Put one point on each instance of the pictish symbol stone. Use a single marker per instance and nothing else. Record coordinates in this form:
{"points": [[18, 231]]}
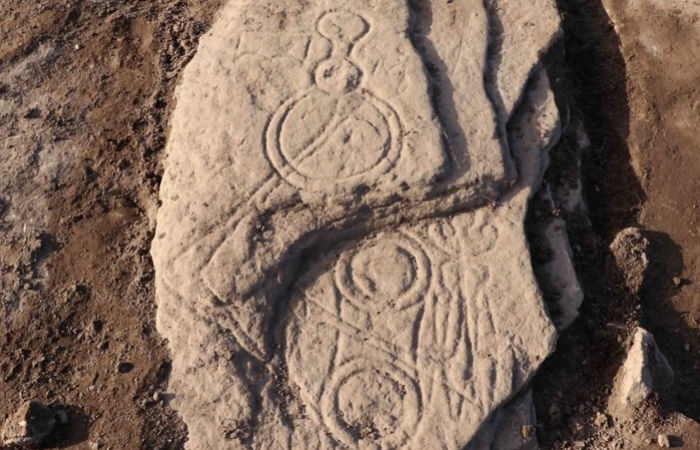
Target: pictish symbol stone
{"points": [[328, 273]]}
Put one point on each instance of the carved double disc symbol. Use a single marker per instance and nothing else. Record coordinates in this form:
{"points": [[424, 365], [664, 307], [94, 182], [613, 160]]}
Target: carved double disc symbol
{"points": [[337, 133]]}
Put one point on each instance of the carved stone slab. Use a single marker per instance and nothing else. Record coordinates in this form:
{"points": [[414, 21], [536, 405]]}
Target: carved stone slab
{"points": [[325, 276], [411, 338]]}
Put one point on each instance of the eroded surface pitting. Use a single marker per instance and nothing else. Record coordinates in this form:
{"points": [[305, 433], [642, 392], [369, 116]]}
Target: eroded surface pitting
{"points": [[320, 148]]}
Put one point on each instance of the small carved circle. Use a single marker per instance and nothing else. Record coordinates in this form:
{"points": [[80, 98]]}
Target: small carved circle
{"points": [[342, 26], [371, 399], [483, 239], [386, 273]]}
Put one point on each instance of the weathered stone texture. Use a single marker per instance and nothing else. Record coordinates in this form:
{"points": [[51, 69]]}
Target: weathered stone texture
{"points": [[340, 252]]}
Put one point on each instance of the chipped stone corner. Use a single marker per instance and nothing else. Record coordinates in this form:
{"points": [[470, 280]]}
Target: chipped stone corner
{"points": [[645, 370]]}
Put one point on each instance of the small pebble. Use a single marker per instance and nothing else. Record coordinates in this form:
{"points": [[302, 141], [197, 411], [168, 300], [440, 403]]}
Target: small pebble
{"points": [[528, 431], [677, 281], [62, 416], [124, 367], [33, 113], [555, 414], [29, 426], [601, 420], [663, 441]]}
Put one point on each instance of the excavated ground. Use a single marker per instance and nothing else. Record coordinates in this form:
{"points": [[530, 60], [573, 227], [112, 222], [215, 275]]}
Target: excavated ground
{"points": [[642, 169], [85, 97]]}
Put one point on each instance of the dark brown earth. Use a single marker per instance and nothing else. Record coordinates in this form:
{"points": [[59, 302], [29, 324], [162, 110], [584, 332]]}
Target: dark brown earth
{"points": [[664, 92], [85, 95], [640, 111]]}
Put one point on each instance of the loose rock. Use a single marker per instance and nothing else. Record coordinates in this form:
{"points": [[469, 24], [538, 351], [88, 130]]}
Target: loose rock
{"points": [[62, 416], [663, 441], [124, 367], [601, 420], [644, 371], [561, 275], [30, 425], [630, 249]]}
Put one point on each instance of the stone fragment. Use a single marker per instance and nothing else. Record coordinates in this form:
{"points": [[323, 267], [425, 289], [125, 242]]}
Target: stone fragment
{"points": [[569, 195], [630, 249], [663, 441], [62, 416], [644, 371], [562, 196], [561, 275], [124, 367], [29, 426], [324, 274], [601, 420], [511, 427]]}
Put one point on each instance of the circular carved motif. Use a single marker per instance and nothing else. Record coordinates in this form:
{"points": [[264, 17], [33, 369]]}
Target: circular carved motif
{"points": [[391, 272], [371, 399], [337, 133], [320, 140]]}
